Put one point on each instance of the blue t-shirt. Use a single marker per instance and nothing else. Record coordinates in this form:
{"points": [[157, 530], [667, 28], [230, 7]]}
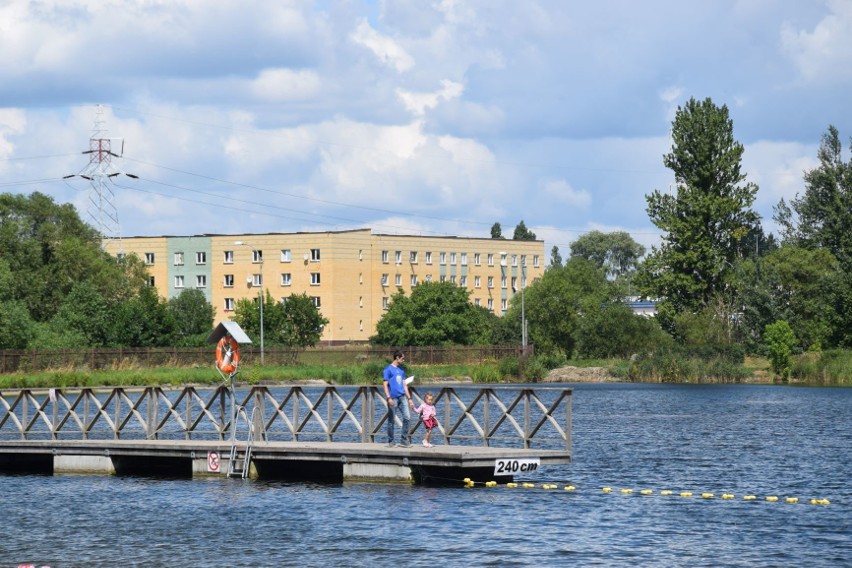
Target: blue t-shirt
{"points": [[395, 378]]}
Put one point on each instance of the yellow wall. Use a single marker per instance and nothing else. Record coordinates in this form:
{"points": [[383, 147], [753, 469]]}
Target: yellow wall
{"points": [[350, 268]]}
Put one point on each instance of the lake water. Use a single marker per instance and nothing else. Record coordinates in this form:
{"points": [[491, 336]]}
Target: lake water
{"points": [[740, 439]]}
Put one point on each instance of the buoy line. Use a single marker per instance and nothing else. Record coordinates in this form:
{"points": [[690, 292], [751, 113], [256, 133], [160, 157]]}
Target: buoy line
{"points": [[469, 483]]}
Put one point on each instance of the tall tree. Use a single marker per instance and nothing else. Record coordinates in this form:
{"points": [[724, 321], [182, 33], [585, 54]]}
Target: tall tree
{"points": [[822, 216], [707, 217], [193, 316], [496, 231], [555, 257], [616, 252], [522, 233]]}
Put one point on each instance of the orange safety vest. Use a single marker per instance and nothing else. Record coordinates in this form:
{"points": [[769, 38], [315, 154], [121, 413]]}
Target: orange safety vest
{"points": [[227, 355]]}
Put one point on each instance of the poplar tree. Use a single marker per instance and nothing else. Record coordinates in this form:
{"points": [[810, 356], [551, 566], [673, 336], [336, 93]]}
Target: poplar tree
{"points": [[707, 217]]}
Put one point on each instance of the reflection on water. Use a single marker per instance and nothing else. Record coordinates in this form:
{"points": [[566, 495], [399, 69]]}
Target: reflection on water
{"points": [[761, 440]]}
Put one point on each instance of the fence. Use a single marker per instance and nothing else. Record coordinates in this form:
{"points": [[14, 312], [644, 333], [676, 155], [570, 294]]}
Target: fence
{"points": [[487, 416], [117, 358]]}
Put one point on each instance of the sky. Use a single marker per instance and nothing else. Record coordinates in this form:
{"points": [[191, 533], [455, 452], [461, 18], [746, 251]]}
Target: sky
{"points": [[409, 117]]}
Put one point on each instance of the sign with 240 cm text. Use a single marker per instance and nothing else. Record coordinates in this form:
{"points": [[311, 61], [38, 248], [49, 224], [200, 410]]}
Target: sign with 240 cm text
{"points": [[514, 466]]}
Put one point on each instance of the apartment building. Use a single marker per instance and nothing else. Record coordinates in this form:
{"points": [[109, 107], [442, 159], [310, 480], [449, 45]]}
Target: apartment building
{"points": [[350, 275]]}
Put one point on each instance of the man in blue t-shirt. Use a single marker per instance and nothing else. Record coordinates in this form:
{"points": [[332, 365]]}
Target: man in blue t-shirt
{"points": [[398, 397]]}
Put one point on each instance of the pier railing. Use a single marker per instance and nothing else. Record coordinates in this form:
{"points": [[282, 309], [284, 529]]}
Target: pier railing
{"points": [[500, 416]]}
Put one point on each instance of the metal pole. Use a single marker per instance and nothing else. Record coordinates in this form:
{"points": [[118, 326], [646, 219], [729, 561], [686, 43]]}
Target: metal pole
{"points": [[261, 308]]}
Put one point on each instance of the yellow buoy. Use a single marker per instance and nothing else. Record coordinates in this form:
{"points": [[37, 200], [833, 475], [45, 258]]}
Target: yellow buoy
{"points": [[607, 489], [792, 499], [771, 498], [646, 492], [707, 495], [627, 491], [686, 494], [665, 492], [820, 502], [528, 485], [570, 488], [511, 485], [727, 495], [749, 497]]}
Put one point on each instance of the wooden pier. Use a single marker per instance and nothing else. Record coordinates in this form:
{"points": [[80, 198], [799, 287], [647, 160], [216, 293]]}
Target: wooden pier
{"points": [[298, 433]]}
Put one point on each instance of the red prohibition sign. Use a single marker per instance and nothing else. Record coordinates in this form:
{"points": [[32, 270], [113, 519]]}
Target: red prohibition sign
{"points": [[213, 461]]}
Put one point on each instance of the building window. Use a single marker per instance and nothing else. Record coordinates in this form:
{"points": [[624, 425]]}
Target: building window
{"points": [[535, 260], [490, 258], [502, 259], [229, 304], [120, 257], [201, 258], [514, 260], [360, 278], [428, 278], [229, 281], [385, 256], [151, 282], [514, 283], [286, 255], [490, 305], [452, 279], [149, 258], [360, 255], [523, 260], [178, 259], [384, 279], [453, 258], [286, 279], [442, 258], [503, 282], [315, 255], [414, 280], [399, 279], [477, 302], [178, 281], [442, 278], [476, 258], [412, 257], [397, 256], [257, 256], [360, 301], [503, 305], [464, 259], [490, 281], [428, 258], [315, 278], [200, 281], [257, 279], [229, 257], [385, 303], [477, 281], [463, 281], [317, 302]]}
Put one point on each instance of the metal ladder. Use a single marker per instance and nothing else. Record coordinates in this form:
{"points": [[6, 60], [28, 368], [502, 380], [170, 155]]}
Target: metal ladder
{"points": [[239, 461]]}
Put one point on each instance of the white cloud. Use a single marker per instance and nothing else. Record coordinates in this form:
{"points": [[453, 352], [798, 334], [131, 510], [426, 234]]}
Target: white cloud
{"points": [[419, 103], [561, 191], [12, 121], [825, 52], [388, 51], [283, 85]]}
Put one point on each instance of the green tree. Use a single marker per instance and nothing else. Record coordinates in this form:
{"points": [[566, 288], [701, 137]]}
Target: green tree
{"points": [[613, 330], [780, 341], [16, 327], [707, 217], [616, 252], [436, 313], [554, 303], [555, 257], [496, 231], [86, 313], [193, 317], [143, 321], [302, 323], [822, 216], [522, 233]]}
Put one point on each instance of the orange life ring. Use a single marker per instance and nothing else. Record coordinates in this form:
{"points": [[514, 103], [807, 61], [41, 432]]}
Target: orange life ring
{"points": [[227, 354]]}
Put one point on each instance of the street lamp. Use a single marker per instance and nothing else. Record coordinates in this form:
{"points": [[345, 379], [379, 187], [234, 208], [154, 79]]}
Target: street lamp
{"points": [[257, 254]]}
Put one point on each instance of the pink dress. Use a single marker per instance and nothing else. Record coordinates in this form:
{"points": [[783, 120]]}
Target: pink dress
{"points": [[427, 415]]}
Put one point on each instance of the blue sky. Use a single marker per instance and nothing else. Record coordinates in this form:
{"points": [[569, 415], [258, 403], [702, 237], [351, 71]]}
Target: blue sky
{"points": [[415, 117]]}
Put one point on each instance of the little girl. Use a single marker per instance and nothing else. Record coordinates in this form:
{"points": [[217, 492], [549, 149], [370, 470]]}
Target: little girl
{"points": [[427, 415]]}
